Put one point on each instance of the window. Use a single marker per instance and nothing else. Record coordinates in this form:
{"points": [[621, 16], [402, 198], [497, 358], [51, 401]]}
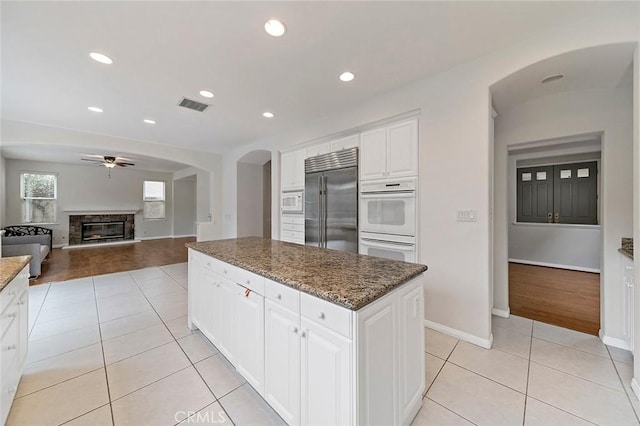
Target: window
{"points": [[153, 197], [38, 192], [562, 193]]}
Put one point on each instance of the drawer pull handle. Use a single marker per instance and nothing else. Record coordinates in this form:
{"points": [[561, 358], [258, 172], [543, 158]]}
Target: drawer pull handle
{"points": [[322, 316], [12, 293], [13, 315], [279, 296], [248, 282], [12, 347], [247, 292]]}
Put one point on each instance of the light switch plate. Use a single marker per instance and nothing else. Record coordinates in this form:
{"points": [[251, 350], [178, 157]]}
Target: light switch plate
{"points": [[467, 216]]}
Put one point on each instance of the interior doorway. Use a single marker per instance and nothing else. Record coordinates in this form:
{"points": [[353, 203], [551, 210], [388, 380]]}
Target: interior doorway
{"points": [[584, 114], [254, 194]]}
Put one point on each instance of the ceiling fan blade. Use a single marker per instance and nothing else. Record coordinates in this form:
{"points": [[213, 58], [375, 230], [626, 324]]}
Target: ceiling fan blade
{"points": [[101, 157], [92, 160], [124, 164], [121, 159]]}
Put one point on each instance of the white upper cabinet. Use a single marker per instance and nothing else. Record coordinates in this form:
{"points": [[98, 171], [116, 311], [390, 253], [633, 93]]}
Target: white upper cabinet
{"points": [[390, 152], [352, 141], [373, 164], [292, 169], [402, 149], [319, 149]]}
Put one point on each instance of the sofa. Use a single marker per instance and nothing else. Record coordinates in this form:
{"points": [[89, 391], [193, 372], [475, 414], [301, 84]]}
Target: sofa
{"points": [[32, 240]]}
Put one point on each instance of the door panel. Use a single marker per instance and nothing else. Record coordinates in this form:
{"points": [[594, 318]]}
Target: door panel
{"points": [[535, 194], [341, 187], [249, 335], [576, 193]]}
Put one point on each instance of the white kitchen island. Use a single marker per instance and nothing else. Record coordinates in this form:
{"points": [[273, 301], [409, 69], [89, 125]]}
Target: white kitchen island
{"points": [[325, 337]]}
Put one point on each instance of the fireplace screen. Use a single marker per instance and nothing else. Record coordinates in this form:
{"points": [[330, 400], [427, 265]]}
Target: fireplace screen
{"points": [[102, 231]]}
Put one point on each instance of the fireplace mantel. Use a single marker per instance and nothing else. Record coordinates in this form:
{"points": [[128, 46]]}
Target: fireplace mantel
{"points": [[100, 211]]}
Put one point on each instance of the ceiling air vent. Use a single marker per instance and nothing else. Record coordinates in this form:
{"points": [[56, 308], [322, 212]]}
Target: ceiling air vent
{"points": [[194, 105]]}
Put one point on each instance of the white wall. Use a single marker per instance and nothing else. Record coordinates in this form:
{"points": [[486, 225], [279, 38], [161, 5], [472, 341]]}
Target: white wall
{"points": [[3, 201], [250, 202], [184, 206], [454, 144], [567, 114], [89, 188]]}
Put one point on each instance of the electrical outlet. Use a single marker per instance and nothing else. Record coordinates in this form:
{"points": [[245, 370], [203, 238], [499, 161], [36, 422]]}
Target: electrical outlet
{"points": [[467, 216]]}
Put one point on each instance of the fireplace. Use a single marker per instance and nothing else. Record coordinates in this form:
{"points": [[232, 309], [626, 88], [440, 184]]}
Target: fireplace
{"points": [[96, 231], [100, 228]]}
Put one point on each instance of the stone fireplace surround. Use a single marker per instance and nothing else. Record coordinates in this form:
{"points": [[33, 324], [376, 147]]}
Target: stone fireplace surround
{"points": [[76, 221]]}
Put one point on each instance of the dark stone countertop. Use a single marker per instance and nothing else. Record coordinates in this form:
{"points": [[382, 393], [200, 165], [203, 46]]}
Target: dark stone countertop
{"points": [[10, 267], [346, 279]]}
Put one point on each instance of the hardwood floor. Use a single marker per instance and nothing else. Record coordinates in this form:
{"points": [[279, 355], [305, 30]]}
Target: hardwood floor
{"points": [[569, 299], [84, 262]]}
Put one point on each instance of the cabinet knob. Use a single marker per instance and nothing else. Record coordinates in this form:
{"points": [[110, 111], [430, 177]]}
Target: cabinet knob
{"points": [[13, 315], [248, 282], [304, 334], [225, 271], [12, 347], [279, 296], [321, 316], [295, 330], [208, 263]]}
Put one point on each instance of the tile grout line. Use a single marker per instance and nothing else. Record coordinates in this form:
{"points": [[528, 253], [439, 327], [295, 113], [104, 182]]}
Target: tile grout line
{"points": [[563, 410], [84, 414], [39, 309], [215, 398], [526, 388], [451, 411], [578, 377], [615, 367], [104, 360]]}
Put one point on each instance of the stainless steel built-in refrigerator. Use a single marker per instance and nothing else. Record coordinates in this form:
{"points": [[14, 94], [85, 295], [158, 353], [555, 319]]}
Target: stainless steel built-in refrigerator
{"points": [[331, 200]]}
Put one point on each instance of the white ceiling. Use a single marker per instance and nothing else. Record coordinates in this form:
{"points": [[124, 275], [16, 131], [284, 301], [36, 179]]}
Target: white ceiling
{"points": [[71, 155], [601, 67], [165, 50]]}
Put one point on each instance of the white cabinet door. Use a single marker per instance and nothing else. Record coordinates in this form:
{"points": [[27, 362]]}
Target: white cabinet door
{"points": [[627, 274], [373, 163], [23, 324], [411, 349], [292, 169], [402, 149], [282, 361], [196, 287], [326, 394], [377, 363], [224, 315], [352, 141], [249, 337], [319, 149]]}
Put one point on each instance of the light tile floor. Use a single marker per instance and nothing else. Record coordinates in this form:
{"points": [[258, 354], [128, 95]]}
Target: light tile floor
{"points": [[115, 349]]}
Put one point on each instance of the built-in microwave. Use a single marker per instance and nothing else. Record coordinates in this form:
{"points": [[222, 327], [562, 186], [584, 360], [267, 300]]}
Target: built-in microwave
{"points": [[292, 201], [388, 207]]}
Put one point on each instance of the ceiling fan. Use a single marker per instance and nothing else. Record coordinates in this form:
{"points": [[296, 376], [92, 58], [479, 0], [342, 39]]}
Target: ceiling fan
{"points": [[109, 161]]}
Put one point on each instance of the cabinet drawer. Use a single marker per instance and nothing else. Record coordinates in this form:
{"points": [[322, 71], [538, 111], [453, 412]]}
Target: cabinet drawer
{"points": [[7, 321], [293, 227], [292, 236], [224, 269], [10, 292], [327, 314], [253, 282], [282, 295], [294, 220]]}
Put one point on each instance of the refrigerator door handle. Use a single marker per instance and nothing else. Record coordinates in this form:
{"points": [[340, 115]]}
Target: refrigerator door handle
{"points": [[320, 212], [325, 211]]}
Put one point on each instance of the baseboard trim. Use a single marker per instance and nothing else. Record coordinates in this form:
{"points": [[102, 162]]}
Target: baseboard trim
{"points": [[501, 312], [555, 265], [453, 332], [183, 236], [112, 243], [613, 341], [635, 388], [162, 237]]}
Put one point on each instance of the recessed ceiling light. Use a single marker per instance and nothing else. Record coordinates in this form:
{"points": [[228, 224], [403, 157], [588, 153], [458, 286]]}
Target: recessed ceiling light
{"points": [[148, 121], [552, 78], [95, 109], [267, 114], [275, 28], [99, 57], [206, 93], [347, 76]]}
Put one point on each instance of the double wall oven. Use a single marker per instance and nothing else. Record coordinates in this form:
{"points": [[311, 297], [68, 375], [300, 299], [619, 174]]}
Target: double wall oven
{"points": [[388, 219]]}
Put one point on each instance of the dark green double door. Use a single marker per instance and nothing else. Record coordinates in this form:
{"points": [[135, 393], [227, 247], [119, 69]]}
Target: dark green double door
{"points": [[564, 193]]}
